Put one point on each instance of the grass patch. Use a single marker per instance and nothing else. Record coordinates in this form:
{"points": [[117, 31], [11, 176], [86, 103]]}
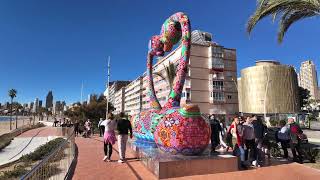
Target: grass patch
{"points": [[6, 139], [26, 161]]}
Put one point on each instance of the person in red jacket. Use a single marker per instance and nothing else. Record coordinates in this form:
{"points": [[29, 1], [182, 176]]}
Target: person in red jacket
{"points": [[295, 133], [236, 129]]}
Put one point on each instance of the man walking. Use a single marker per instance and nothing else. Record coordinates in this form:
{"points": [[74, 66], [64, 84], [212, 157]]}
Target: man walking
{"points": [[215, 131], [101, 127], [295, 133], [249, 140], [123, 127], [259, 130]]}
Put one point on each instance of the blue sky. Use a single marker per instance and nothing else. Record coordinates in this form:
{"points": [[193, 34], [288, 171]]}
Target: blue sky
{"points": [[55, 45]]}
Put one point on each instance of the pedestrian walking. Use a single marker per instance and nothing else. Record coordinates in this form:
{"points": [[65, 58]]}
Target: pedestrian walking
{"points": [[236, 129], [123, 128], [284, 137], [295, 141], [260, 130], [249, 140], [215, 131], [101, 127], [109, 137], [76, 128], [87, 126]]}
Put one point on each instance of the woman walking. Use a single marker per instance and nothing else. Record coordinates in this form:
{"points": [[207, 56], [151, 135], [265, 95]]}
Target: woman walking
{"points": [[109, 136]]}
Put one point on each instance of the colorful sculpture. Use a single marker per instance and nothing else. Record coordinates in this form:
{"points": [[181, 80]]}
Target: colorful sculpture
{"points": [[174, 129]]}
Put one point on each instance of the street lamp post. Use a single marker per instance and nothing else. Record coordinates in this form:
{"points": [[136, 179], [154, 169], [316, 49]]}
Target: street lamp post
{"points": [[265, 98]]}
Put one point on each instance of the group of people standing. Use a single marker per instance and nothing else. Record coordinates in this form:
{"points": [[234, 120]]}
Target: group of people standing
{"points": [[108, 128], [249, 134]]}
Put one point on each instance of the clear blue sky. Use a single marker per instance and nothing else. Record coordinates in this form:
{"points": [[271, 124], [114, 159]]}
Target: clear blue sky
{"points": [[55, 45]]}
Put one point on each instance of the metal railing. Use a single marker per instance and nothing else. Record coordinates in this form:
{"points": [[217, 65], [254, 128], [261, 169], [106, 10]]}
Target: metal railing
{"points": [[57, 164]]}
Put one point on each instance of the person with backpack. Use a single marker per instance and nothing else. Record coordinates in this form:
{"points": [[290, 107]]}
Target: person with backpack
{"points": [[123, 128], [284, 137], [295, 142], [215, 131]]}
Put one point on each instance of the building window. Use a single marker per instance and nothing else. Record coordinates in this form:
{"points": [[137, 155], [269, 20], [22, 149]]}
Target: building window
{"points": [[217, 62], [229, 97], [218, 96], [217, 85]]}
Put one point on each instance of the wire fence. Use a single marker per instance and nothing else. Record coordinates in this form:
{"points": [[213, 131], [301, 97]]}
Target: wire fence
{"points": [[56, 165]]}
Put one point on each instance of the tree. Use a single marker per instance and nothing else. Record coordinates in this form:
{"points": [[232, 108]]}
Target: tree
{"points": [[289, 12], [169, 74], [94, 111], [304, 95], [12, 94]]}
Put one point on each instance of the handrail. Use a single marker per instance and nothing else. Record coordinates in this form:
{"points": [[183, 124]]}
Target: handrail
{"points": [[48, 157]]}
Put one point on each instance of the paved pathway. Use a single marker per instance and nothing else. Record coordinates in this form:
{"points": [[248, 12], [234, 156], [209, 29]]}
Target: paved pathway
{"points": [[91, 167], [25, 143], [292, 171]]}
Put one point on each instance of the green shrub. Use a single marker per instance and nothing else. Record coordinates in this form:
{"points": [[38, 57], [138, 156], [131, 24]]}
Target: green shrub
{"points": [[43, 151], [15, 173], [273, 122]]}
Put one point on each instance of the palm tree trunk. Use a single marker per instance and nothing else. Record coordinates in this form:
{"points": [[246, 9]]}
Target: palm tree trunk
{"points": [[11, 115]]}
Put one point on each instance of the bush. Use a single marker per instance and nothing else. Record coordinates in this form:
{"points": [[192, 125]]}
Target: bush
{"points": [[15, 173], [273, 122], [43, 150]]}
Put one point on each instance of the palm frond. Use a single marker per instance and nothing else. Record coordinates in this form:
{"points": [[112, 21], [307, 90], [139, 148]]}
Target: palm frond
{"points": [[289, 19], [290, 11]]}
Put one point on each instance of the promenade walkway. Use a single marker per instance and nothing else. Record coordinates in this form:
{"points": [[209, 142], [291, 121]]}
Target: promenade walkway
{"points": [[25, 143], [90, 166]]}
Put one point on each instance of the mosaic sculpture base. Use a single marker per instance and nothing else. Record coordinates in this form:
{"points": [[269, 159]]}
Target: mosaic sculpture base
{"points": [[164, 165]]}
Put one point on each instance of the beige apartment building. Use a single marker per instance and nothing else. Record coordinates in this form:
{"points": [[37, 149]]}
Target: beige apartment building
{"points": [[115, 86], [119, 100], [308, 78], [132, 97], [210, 81]]}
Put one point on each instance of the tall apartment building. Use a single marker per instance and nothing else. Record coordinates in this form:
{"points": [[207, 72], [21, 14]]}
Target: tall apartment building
{"points": [[133, 96], [308, 78], [114, 87], [210, 82], [119, 101]]}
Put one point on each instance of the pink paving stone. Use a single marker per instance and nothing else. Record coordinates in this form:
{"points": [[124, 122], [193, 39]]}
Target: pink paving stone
{"points": [[90, 166], [41, 132], [292, 171]]}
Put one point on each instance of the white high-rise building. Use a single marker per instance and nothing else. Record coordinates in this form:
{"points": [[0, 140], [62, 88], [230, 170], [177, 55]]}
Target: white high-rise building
{"points": [[308, 78]]}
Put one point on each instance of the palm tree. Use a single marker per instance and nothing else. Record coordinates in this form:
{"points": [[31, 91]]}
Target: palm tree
{"points": [[289, 11], [12, 94], [169, 74]]}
